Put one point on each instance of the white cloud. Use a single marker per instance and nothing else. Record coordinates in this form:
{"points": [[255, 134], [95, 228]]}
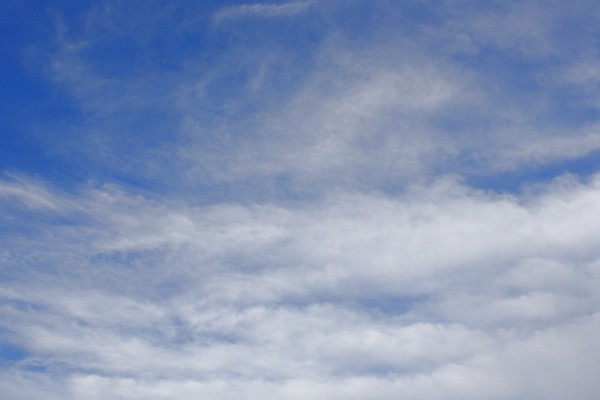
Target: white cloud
{"points": [[435, 290], [407, 96], [262, 10], [29, 193]]}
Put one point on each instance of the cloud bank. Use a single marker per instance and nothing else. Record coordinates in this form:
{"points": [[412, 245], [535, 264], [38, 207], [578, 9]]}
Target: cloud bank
{"points": [[445, 292]]}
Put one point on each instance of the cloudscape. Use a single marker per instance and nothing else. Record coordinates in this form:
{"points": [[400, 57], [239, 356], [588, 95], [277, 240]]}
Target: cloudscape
{"points": [[312, 199]]}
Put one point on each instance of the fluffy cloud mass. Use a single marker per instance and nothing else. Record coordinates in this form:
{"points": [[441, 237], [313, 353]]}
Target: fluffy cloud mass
{"points": [[305, 200]]}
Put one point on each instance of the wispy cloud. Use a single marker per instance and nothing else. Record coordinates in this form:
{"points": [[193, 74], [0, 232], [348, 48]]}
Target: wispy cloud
{"points": [[27, 193], [412, 96], [262, 10]]}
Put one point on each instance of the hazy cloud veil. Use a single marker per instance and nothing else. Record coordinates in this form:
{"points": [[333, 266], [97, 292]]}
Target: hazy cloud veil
{"points": [[301, 200]]}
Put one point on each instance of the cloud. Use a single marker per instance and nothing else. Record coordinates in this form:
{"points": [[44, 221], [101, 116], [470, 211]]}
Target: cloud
{"points": [[440, 287], [32, 197], [315, 112], [262, 10], [289, 211]]}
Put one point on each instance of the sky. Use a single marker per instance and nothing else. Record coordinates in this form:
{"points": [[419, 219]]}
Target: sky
{"points": [[306, 199]]}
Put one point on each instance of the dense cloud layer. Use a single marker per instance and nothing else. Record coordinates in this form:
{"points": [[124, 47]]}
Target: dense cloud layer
{"points": [[309, 200], [445, 292]]}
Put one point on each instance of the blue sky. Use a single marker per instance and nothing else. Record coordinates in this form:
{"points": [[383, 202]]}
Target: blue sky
{"points": [[314, 199]]}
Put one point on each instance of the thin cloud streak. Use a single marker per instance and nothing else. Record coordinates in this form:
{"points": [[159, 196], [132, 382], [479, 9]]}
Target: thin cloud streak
{"points": [[262, 10]]}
